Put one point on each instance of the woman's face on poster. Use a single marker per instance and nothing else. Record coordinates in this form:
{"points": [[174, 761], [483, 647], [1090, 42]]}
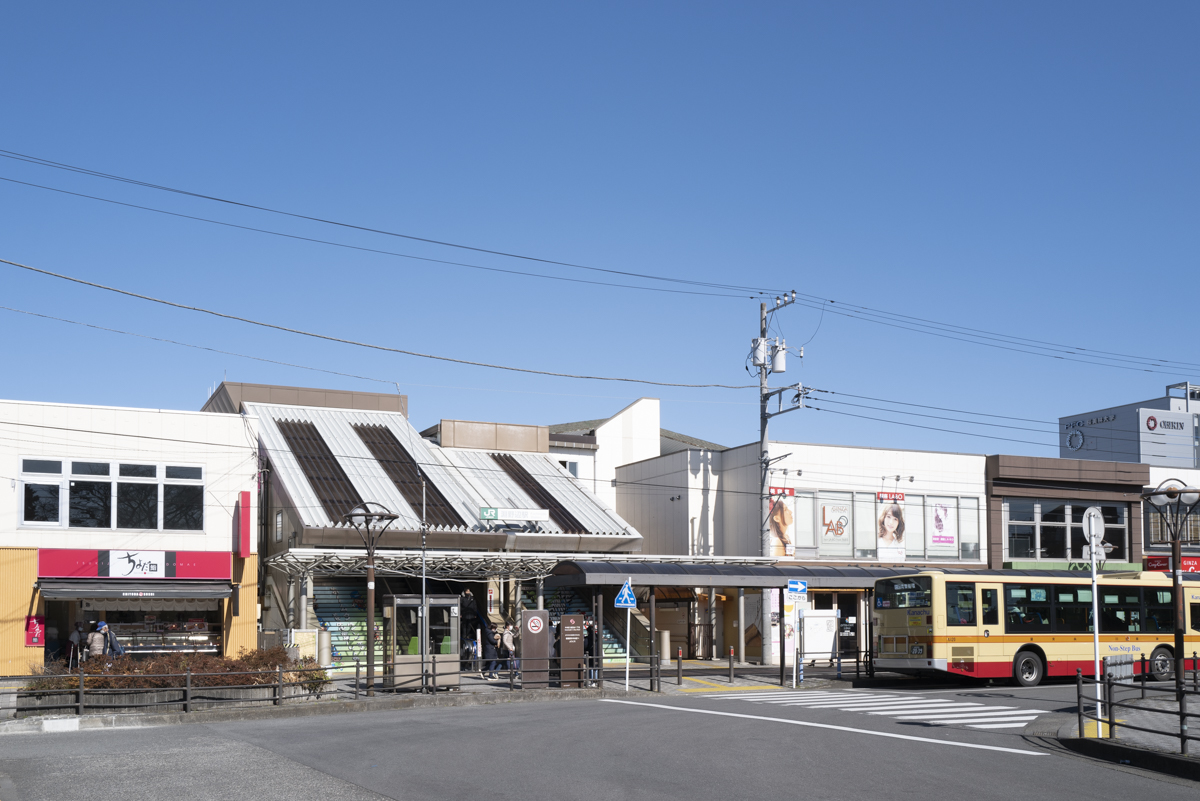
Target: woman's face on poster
{"points": [[890, 523]]}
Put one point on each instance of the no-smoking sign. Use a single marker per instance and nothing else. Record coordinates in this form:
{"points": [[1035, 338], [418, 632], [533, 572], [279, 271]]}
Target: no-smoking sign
{"points": [[534, 624]]}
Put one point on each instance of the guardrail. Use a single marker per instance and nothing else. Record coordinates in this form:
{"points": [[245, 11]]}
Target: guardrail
{"points": [[1122, 677]]}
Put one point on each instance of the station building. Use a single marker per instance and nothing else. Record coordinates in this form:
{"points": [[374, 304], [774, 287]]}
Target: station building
{"points": [[141, 518]]}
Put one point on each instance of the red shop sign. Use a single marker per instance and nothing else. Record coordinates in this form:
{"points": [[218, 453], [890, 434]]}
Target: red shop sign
{"points": [[35, 631], [1162, 564]]}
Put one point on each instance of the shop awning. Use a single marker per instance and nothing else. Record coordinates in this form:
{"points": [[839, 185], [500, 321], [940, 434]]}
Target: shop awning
{"points": [[646, 574], [82, 589]]}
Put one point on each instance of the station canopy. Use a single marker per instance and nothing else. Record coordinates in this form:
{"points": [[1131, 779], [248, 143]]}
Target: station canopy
{"points": [[461, 565]]}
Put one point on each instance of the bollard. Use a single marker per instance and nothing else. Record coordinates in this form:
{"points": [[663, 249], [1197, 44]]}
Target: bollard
{"points": [[1143, 676], [839, 661], [512, 676], [1079, 697], [857, 660], [187, 691], [1112, 713], [433, 671], [679, 668], [731, 664], [357, 677], [1183, 727], [279, 685], [81, 687]]}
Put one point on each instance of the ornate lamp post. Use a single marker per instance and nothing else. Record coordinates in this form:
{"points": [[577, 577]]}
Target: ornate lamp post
{"points": [[370, 520], [1174, 501]]}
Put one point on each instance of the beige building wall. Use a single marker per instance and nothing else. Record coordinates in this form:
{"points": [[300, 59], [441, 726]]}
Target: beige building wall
{"points": [[18, 572]]}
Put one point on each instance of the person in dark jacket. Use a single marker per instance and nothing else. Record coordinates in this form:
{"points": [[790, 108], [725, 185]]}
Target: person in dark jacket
{"points": [[491, 656]]}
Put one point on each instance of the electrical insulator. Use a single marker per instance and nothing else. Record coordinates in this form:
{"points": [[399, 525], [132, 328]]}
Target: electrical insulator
{"points": [[759, 352], [779, 357]]}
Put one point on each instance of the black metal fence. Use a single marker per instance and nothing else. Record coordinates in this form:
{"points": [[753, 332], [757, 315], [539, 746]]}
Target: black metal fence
{"points": [[80, 692], [1117, 693]]}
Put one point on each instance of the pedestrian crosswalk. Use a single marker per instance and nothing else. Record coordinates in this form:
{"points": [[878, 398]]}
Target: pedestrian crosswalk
{"points": [[905, 707]]}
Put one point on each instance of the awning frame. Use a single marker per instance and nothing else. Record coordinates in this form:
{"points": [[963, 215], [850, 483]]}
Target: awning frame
{"points": [[79, 589]]}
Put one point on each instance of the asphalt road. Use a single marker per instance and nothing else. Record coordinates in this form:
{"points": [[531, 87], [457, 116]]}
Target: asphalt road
{"points": [[705, 745]]}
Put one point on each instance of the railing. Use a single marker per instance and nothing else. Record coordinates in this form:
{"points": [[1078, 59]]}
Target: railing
{"points": [[1122, 677], [194, 690]]}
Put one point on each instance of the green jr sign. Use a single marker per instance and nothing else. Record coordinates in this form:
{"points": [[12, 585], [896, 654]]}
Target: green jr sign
{"points": [[489, 513]]}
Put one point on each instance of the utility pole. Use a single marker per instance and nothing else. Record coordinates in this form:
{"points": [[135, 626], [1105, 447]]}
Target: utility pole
{"points": [[769, 358]]}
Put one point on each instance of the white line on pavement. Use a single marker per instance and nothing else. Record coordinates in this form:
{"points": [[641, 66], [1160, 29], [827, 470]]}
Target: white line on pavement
{"points": [[1000, 725], [809, 724], [972, 721], [998, 710]]}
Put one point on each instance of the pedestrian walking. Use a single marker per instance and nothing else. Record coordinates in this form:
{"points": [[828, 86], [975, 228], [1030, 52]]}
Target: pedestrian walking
{"points": [[97, 640], [509, 646], [491, 657]]}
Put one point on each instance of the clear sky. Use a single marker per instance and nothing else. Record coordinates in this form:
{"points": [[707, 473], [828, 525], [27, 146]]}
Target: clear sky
{"points": [[1022, 168]]}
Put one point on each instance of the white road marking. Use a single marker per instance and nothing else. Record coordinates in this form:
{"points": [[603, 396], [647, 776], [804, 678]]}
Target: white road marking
{"points": [[809, 724], [906, 708], [997, 710], [1000, 726]]}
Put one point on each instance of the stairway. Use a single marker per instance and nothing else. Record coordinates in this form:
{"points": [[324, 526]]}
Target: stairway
{"points": [[341, 608]]}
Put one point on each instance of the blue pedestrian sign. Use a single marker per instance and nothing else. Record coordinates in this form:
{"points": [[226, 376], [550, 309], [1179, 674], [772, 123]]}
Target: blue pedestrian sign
{"points": [[625, 598], [797, 586]]}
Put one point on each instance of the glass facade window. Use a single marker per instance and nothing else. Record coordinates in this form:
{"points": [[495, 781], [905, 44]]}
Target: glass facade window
{"points": [[1051, 529], [137, 506], [914, 527], [90, 504], [968, 528], [183, 507], [41, 503], [804, 518], [148, 497], [865, 527], [1157, 534]]}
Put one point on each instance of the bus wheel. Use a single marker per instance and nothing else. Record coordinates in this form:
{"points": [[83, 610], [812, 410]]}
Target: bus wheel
{"points": [[1162, 667], [1028, 669]]}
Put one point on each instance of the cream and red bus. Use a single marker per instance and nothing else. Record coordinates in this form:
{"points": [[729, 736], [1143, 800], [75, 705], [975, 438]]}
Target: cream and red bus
{"points": [[1026, 625]]}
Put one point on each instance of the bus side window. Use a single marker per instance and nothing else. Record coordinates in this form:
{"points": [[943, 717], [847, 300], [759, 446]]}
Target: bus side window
{"points": [[1195, 617], [991, 608], [960, 604]]}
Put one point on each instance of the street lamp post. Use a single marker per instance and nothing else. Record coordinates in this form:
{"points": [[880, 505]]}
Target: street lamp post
{"points": [[366, 519], [1174, 501]]}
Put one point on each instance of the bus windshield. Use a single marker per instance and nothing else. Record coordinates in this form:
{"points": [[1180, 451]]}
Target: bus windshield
{"points": [[908, 592]]}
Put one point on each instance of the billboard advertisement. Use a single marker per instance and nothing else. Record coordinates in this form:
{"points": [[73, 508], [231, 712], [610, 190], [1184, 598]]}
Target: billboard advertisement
{"points": [[835, 532], [889, 508], [782, 519], [941, 527]]}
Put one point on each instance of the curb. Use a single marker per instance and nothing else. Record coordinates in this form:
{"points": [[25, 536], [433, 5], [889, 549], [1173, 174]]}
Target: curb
{"points": [[64, 723], [1134, 756]]}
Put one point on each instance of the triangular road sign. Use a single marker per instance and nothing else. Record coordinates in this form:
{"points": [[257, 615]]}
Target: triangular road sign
{"points": [[625, 598]]}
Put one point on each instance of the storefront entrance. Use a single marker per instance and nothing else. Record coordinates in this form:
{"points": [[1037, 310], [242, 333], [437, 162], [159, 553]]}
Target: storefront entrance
{"points": [[847, 603]]}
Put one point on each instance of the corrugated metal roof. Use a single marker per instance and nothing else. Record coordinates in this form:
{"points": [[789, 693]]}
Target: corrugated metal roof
{"points": [[467, 479]]}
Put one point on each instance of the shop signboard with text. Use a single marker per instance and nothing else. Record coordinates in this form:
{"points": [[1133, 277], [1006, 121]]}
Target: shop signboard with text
{"points": [[1162, 564], [126, 564]]}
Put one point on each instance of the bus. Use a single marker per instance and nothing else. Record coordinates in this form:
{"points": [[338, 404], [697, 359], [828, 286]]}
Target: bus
{"points": [[1026, 625]]}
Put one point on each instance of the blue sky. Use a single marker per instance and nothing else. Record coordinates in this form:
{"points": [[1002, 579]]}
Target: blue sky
{"points": [[1020, 168]]}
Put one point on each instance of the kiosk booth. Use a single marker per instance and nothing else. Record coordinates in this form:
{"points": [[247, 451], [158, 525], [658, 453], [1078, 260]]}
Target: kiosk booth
{"points": [[411, 646]]}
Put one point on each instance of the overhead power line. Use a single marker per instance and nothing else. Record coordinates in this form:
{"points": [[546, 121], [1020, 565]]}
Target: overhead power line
{"points": [[9, 154], [371, 250], [356, 343]]}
